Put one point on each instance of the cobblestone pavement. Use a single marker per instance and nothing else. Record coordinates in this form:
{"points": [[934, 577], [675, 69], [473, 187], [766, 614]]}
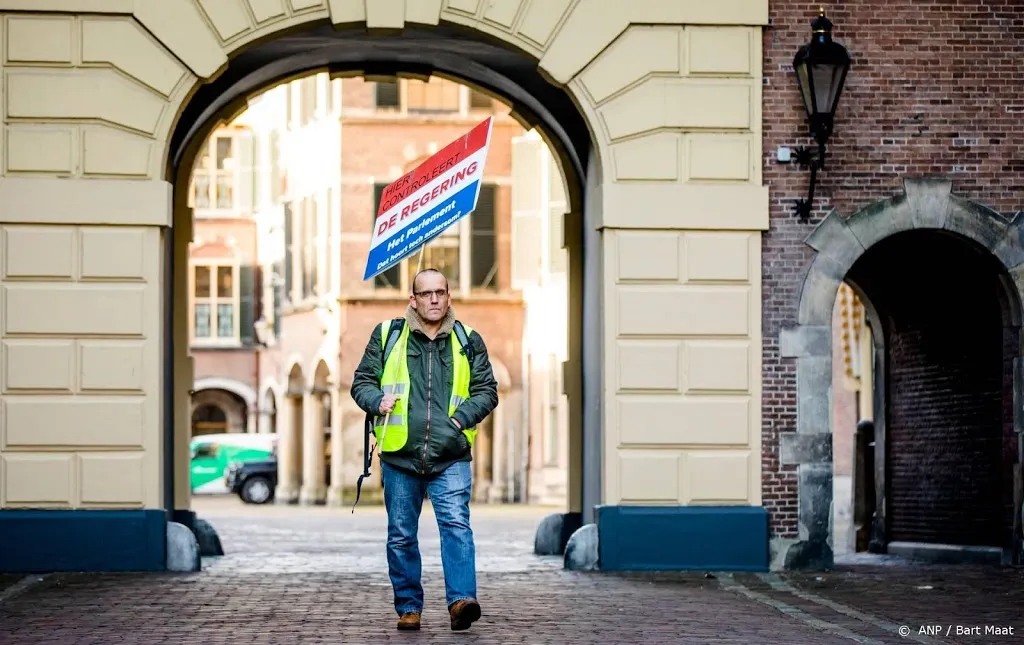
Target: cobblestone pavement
{"points": [[319, 575]]}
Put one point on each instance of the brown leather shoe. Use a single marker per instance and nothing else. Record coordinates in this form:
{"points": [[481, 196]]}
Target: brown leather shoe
{"points": [[464, 613], [410, 621]]}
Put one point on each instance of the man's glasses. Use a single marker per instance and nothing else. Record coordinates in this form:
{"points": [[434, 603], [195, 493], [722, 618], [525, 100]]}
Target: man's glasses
{"points": [[439, 293]]}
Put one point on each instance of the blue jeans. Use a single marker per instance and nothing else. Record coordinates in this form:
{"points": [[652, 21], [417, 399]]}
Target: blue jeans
{"points": [[449, 496]]}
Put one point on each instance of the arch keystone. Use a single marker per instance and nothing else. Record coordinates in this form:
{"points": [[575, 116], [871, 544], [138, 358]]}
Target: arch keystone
{"points": [[832, 237], [423, 12], [345, 11], [928, 198], [385, 14]]}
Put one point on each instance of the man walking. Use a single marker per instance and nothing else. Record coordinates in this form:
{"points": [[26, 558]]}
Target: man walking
{"points": [[427, 380]]}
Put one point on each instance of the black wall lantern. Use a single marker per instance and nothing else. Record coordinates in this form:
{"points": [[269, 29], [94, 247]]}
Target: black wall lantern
{"points": [[820, 68]]}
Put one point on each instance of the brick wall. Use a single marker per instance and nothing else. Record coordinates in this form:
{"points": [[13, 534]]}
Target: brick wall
{"points": [[376, 148], [934, 89], [237, 232], [217, 239], [235, 364]]}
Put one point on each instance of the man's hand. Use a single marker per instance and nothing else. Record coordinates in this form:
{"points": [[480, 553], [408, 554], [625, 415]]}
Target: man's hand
{"points": [[387, 404]]}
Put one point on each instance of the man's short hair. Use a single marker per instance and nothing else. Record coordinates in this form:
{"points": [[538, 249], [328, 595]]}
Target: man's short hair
{"points": [[428, 270]]}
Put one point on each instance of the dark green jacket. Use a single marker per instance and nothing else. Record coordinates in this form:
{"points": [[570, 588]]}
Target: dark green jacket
{"points": [[431, 447]]}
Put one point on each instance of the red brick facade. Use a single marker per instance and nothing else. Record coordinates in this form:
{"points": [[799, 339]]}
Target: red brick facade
{"points": [[374, 143], [218, 240], [933, 90]]}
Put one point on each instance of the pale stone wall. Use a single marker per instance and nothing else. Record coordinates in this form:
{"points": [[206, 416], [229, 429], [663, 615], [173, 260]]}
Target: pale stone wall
{"points": [[675, 112], [683, 300], [81, 355]]}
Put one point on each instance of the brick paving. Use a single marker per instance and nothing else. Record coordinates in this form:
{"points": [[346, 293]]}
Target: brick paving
{"points": [[8, 579], [318, 575]]}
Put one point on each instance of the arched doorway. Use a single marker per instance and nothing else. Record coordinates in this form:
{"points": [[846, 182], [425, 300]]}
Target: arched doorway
{"points": [[209, 419], [268, 412], [947, 389], [216, 411], [448, 51], [936, 275], [653, 112]]}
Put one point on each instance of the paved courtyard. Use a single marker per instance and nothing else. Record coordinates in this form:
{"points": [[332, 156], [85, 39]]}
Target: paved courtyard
{"points": [[319, 575]]}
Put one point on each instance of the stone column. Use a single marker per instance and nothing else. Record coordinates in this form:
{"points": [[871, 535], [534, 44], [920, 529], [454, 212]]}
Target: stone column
{"points": [[287, 476], [337, 488], [810, 447], [313, 489], [263, 422], [252, 418], [482, 460], [499, 467]]}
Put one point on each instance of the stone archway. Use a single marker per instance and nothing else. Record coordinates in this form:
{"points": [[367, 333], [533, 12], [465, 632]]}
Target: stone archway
{"points": [[233, 415], [926, 204], [268, 412], [655, 111]]}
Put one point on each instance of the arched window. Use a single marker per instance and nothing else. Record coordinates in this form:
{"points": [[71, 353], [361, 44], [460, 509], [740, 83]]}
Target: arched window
{"points": [[209, 419]]}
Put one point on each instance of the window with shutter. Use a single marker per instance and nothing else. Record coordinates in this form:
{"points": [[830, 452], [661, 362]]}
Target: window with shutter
{"points": [[387, 95], [442, 253], [483, 252], [438, 95], [307, 88], [528, 196], [558, 206], [246, 177], [279, 287], [216, 298], [312, 247], [276, 168], [552, 425], [557, 254], [480, 101], [217, 173], [289, 251], [247, 304]]}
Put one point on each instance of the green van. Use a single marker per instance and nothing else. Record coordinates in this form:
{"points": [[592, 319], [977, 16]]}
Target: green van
{"points": [[213, 453]]}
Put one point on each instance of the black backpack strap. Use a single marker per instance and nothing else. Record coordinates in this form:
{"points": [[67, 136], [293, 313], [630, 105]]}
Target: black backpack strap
{"points": [[367, 461], [467, 347], [393, 333]]}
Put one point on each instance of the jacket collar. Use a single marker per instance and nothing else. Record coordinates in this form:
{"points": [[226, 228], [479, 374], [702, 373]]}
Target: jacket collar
{"points": [[416, 322]]}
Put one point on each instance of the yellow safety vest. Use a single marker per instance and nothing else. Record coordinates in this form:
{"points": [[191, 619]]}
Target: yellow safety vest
{"points": [[395, 380]]}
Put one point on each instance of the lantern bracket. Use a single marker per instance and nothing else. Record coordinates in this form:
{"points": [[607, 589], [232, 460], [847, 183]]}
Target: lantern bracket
{"points": [[814, 158]]}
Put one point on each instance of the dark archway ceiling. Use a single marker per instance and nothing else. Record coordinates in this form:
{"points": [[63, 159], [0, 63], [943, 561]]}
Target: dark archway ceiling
{"points": [[511, 75]]}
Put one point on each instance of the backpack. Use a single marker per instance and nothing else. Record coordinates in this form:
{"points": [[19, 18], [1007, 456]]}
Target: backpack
{"points": [[396, 330]]}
